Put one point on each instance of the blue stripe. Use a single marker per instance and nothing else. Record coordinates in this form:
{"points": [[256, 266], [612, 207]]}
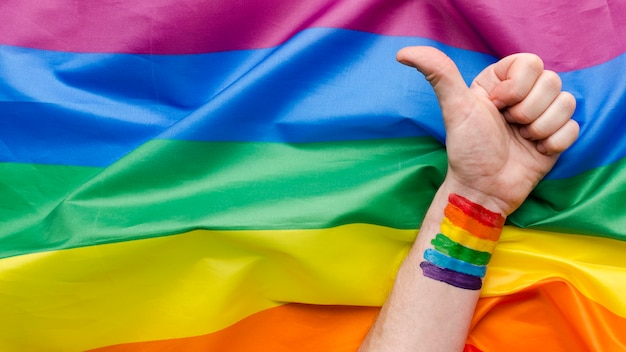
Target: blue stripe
{"points": [[600, 93], [443, 261], [322, 85]]}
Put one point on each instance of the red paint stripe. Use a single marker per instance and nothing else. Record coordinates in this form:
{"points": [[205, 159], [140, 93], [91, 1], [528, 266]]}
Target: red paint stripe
{"points": [[567, 34], [477, 211], [459, 219]]}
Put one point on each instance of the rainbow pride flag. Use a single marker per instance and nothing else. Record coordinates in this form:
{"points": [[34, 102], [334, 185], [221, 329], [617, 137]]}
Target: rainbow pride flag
{"points": [[213, 175]]}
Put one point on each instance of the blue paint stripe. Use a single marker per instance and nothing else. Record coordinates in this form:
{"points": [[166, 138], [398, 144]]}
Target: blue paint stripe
{"points": [[322, 85], [443, 261]]}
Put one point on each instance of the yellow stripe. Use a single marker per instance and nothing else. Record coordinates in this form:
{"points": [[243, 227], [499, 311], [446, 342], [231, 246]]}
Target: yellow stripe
{"points": [[465, 238], [202, 281], [186, 285], [594, 265]]}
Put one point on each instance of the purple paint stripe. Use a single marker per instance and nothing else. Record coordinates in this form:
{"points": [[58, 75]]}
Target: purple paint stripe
{"points": [[567, 34], [465, 281]]}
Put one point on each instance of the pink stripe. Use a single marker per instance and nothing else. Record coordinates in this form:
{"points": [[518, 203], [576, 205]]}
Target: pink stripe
{"points": [[567, 34]]}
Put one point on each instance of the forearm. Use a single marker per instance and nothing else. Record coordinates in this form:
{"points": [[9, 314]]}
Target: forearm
{"points": [[423, 311], [494, 162]]}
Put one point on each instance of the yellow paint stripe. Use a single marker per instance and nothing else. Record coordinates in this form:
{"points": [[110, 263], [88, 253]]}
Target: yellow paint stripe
{"points": [[465, 238], [203, 281]]}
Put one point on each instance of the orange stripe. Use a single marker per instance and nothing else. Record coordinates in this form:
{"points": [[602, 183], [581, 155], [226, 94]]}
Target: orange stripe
{"points": [[551, 315], [290, 327], [460, 219]]}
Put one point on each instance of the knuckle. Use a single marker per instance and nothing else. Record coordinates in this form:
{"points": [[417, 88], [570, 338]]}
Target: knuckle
{"points": [[517, 93], [524, 117], [567, 102], [552, 80], [554, 145], [565, 105], [562, 139], [520, 114], [534, 62], [537, 131]]}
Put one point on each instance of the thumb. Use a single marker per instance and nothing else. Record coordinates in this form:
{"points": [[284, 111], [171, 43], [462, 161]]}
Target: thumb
{"points": [[452, 92]]}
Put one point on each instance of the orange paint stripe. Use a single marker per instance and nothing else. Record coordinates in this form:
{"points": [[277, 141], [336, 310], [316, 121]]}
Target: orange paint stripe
{"points": [[550, 315], [477, 211], [471, 225], [290, 327], [465, 238]]}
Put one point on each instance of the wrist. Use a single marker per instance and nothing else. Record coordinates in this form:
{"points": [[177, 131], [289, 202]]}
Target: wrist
{"points": [[460, 251]]}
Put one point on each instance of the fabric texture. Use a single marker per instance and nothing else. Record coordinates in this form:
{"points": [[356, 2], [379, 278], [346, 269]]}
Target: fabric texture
{"points": [[248, 175]]}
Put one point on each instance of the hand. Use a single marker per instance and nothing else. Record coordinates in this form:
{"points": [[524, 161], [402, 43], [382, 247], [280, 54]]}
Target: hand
{"points": [[505, 132]]}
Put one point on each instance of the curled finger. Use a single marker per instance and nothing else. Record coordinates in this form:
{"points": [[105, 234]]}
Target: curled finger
{"points": [[560, 140], [552, 119], [541, 96], [517, 74]]}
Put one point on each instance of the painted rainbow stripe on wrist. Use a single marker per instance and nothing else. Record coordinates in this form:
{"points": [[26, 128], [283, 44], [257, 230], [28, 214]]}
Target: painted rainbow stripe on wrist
{"points": [[461, 252]]}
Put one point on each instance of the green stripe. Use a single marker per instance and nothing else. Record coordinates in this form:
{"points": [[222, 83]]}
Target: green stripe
{"points": [[30, 195], [167, 187], [591, 203], [455, 250]]}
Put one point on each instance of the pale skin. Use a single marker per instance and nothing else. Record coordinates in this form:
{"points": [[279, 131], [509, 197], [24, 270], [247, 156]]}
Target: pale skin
{"points": [[504, 133]]}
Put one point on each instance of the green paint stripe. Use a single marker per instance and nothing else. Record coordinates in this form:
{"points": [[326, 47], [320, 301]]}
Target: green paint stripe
{"points": [[168, 187], [455, 250]]}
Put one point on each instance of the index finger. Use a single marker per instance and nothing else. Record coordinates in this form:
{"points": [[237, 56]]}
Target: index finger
{"points": [[508, 81]]}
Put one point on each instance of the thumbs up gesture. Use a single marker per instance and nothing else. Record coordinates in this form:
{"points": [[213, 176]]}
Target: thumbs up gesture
{"points": [[505, 132]]}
